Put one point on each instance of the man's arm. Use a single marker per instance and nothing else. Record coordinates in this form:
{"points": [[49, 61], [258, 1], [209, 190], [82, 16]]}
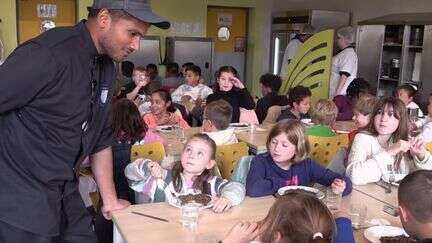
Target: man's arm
{"points": [[102, 167]]}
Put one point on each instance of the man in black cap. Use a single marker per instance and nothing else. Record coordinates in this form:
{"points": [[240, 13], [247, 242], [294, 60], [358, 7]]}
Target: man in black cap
{"points": [[54, 112]]}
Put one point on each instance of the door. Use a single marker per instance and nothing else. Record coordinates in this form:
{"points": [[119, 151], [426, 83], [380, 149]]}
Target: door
{"points": [[230, 52], [33, 14], [369, 48]]}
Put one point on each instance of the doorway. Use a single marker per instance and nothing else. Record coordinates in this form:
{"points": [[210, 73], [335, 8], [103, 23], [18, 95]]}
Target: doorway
{"points": [[230, 48]]}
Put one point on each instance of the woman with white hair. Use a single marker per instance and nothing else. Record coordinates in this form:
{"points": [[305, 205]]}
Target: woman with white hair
{"points": [[344, 64]]}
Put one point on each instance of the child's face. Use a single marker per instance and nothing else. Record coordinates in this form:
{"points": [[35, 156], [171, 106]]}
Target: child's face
{"points": [[225, 82], [303, 106], [196, 157], [158, 105], [403, 96], [385, 121], [281, 149], [265, 90], [191, 78], [360, 120], [138, 76]]}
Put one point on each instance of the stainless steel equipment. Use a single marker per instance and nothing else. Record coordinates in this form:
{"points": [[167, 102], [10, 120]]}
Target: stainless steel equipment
{"points": [[192, 49], [148, 52]]}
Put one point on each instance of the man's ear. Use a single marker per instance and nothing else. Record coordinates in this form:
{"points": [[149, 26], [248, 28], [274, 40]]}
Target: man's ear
{"points": [[104, 18], [403, 213]]}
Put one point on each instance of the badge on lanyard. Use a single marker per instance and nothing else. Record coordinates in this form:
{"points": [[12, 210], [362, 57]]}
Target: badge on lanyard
{"points": [[104, 95]]}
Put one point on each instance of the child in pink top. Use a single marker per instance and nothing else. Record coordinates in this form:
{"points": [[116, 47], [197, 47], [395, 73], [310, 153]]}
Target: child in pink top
{"points": [[163, 111]]}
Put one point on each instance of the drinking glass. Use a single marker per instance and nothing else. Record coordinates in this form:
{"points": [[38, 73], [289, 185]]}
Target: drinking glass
{"points": [[189, 215], [358, 212], [332, 200]]}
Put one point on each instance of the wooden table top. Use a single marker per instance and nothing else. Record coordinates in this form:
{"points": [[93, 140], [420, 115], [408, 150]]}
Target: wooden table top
{"points": [[139, 229], [378, 192]]}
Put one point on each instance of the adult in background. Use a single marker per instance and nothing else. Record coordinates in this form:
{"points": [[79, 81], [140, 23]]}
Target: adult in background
{"points": [[54, 113], [344, 64], [293, 46]]}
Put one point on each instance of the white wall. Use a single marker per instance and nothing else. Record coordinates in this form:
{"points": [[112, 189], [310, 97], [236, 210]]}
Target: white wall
{"points": [[360, 9]]}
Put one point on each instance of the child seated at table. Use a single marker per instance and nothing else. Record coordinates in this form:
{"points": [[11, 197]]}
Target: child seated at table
{"points": [[270, 85], [323, 114], [385, 147], [415, 208], [216, 120], [163, 111], [191, 175], [191, 90], [228, 87], [287, 164], [357, 89], [299, 99], [362, 110], [407, 93], [295, 217]]}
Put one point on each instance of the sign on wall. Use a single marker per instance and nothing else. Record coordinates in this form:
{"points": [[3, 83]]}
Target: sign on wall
{"points": [[224, 19], [46, 11]]}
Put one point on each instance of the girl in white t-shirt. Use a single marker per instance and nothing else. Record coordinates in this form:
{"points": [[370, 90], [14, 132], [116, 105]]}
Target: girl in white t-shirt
{"points": [[344, 64]]}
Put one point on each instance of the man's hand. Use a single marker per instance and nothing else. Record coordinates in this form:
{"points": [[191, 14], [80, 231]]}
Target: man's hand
{"points": [[116, 205]]}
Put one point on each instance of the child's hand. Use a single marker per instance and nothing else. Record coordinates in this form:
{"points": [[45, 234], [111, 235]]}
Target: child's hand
{"points": [[338, 186], [155, 169], [401, 146], [417, 147], [221, 204], [237, 83], [186, 98], [242, 232]]}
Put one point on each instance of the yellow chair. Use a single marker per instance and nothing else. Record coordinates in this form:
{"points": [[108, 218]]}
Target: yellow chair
{"points": [[323, 149], [311, 66], [429, 147], [228, 155], [154, 151]]}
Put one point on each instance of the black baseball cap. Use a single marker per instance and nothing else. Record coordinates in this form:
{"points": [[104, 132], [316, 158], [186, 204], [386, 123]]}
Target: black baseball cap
{"points": [[139, 9]]}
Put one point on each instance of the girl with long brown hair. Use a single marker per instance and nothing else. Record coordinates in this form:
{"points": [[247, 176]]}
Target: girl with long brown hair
{"points": [[191, 175], [295, 217], [386, 146]]}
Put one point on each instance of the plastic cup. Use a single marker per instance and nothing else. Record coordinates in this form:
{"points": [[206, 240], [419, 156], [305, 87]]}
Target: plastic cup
{"points": [[189, 215]]}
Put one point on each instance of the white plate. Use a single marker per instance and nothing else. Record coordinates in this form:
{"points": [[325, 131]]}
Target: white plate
{"points": [[239, 125], [166, 128], [319, 194], [398, 178], [373, 234], [174, 201], [342, 131]]}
